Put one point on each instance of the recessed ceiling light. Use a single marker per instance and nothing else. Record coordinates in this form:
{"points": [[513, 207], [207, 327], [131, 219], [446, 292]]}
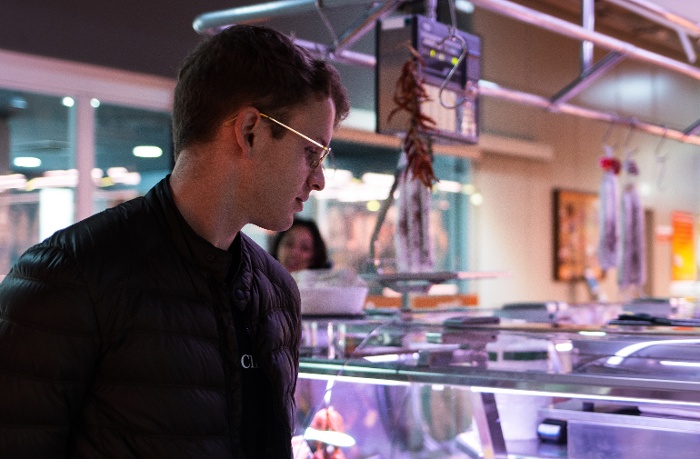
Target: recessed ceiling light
{"points": [[148, 151], [68, 101], [26, 161], [476, 199], [373, 205], [18, 102], [464, 6]]}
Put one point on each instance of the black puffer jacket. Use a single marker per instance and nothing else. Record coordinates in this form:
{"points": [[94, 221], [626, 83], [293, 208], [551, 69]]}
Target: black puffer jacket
{"points": [[116, 341]]}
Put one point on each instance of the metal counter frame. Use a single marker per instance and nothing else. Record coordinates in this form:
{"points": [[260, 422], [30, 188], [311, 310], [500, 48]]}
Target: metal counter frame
{"points": [[610, 383]]}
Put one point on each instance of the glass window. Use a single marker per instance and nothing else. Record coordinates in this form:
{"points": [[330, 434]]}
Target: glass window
{"points": [[133, 152], [38, 132], [37, 163], [34, 140]]}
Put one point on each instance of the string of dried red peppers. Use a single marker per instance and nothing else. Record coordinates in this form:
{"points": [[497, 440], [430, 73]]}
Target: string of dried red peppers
{"points": [[409, 95]]}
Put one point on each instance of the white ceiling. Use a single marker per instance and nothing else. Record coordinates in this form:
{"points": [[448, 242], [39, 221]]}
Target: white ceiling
{"points": [[690, 9]]}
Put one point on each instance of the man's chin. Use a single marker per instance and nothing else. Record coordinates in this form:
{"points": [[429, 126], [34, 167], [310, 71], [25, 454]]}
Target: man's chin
{"points": [[278, 225]]}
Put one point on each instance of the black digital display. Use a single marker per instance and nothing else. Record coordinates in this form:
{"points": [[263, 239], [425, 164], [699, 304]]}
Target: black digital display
{"points": [[451, 74]]}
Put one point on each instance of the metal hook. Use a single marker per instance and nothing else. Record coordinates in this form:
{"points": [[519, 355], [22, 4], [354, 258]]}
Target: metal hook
{"points": [[452, 35], [658, 146], [465, 49], [629, 152], [661, 159], [607, 148], [608, 132], [630, 167], [629, 134]]}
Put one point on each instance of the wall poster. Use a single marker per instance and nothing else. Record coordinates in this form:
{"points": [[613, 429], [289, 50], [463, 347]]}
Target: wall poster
{"points": [[683, 267], [576, 233]]}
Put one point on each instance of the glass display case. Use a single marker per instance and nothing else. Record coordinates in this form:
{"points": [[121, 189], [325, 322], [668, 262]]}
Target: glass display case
{"points": [[459, 385]]}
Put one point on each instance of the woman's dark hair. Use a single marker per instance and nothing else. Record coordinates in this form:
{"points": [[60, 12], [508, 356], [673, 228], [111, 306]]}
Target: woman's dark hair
{"points": [[247, 65], [320, 258]]}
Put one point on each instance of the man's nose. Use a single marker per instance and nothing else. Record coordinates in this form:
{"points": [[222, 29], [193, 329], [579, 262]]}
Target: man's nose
{"points": [[317, 179]]}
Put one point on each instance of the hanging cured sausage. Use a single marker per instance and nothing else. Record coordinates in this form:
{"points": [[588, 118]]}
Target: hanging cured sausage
{"points": [[413, 241], [632, 270], [608, 201]]}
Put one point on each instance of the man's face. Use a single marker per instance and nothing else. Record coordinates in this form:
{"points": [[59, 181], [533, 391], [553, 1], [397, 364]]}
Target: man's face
{"points": [[285, 176]]}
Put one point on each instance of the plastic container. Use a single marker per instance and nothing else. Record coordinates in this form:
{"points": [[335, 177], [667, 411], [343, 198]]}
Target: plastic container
{"points": [[331, 292], [519, 413], [330, 301]]}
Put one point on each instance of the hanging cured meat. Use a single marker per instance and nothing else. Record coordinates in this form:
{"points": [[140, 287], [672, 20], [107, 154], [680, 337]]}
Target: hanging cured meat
{"points": [[413, 241], [632, 269], [608, 201]]}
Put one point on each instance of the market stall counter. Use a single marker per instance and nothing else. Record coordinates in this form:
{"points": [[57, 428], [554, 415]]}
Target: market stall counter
{"points": [[467, 385]]}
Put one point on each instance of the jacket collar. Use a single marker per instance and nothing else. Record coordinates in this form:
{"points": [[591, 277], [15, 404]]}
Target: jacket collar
{"points": [[190, 245]]}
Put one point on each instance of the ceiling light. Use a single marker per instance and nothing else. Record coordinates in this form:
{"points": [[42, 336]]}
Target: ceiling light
{"points": [[26, 161], [376, 179], [123, 176], [95, 103], [464, 6], [115, 172], [18, 102], [591, 333], [68, 101], [449, 186], [373, 205], [148, 151]]}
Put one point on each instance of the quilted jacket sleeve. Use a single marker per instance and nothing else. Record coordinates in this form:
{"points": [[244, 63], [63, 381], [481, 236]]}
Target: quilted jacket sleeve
{"points": [[48, 350]]}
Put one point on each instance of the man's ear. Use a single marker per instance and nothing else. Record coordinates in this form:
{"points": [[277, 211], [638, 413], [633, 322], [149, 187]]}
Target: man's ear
{"points": [[246, 126]]}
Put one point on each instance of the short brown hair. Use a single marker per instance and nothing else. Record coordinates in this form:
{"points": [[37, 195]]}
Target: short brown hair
{"points": [[247, 65]]}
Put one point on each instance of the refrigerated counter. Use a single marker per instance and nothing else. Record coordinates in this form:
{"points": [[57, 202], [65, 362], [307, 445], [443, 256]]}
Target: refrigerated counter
{"points": [[444, 385]]}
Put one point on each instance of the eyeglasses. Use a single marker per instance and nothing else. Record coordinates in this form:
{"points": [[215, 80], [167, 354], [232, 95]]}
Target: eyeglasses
{"points": [[325, 150]]}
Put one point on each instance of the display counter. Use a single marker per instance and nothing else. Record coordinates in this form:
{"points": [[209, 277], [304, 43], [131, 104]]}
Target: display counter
{"points": [[447, 385]]}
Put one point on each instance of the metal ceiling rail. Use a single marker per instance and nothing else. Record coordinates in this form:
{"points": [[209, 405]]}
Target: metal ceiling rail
{"points": [[587, 77], [366, 23], [661, 15], [682, 26], [618, 47], [487, 88], [344, 56], [211, 22], [571, 30]]}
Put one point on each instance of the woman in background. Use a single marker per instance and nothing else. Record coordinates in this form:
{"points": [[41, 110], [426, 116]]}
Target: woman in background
{"points": [[300, 247]]}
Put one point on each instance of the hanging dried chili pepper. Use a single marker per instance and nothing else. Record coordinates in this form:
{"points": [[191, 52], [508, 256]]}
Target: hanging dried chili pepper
{"points": [[409, 96]]}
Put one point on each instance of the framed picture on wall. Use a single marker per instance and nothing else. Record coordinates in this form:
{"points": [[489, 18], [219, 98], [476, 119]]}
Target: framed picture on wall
{"points": [[576, 233]]}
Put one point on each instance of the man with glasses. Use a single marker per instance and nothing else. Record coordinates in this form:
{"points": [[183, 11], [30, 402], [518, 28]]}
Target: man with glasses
{"points": [[156, 328]]}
